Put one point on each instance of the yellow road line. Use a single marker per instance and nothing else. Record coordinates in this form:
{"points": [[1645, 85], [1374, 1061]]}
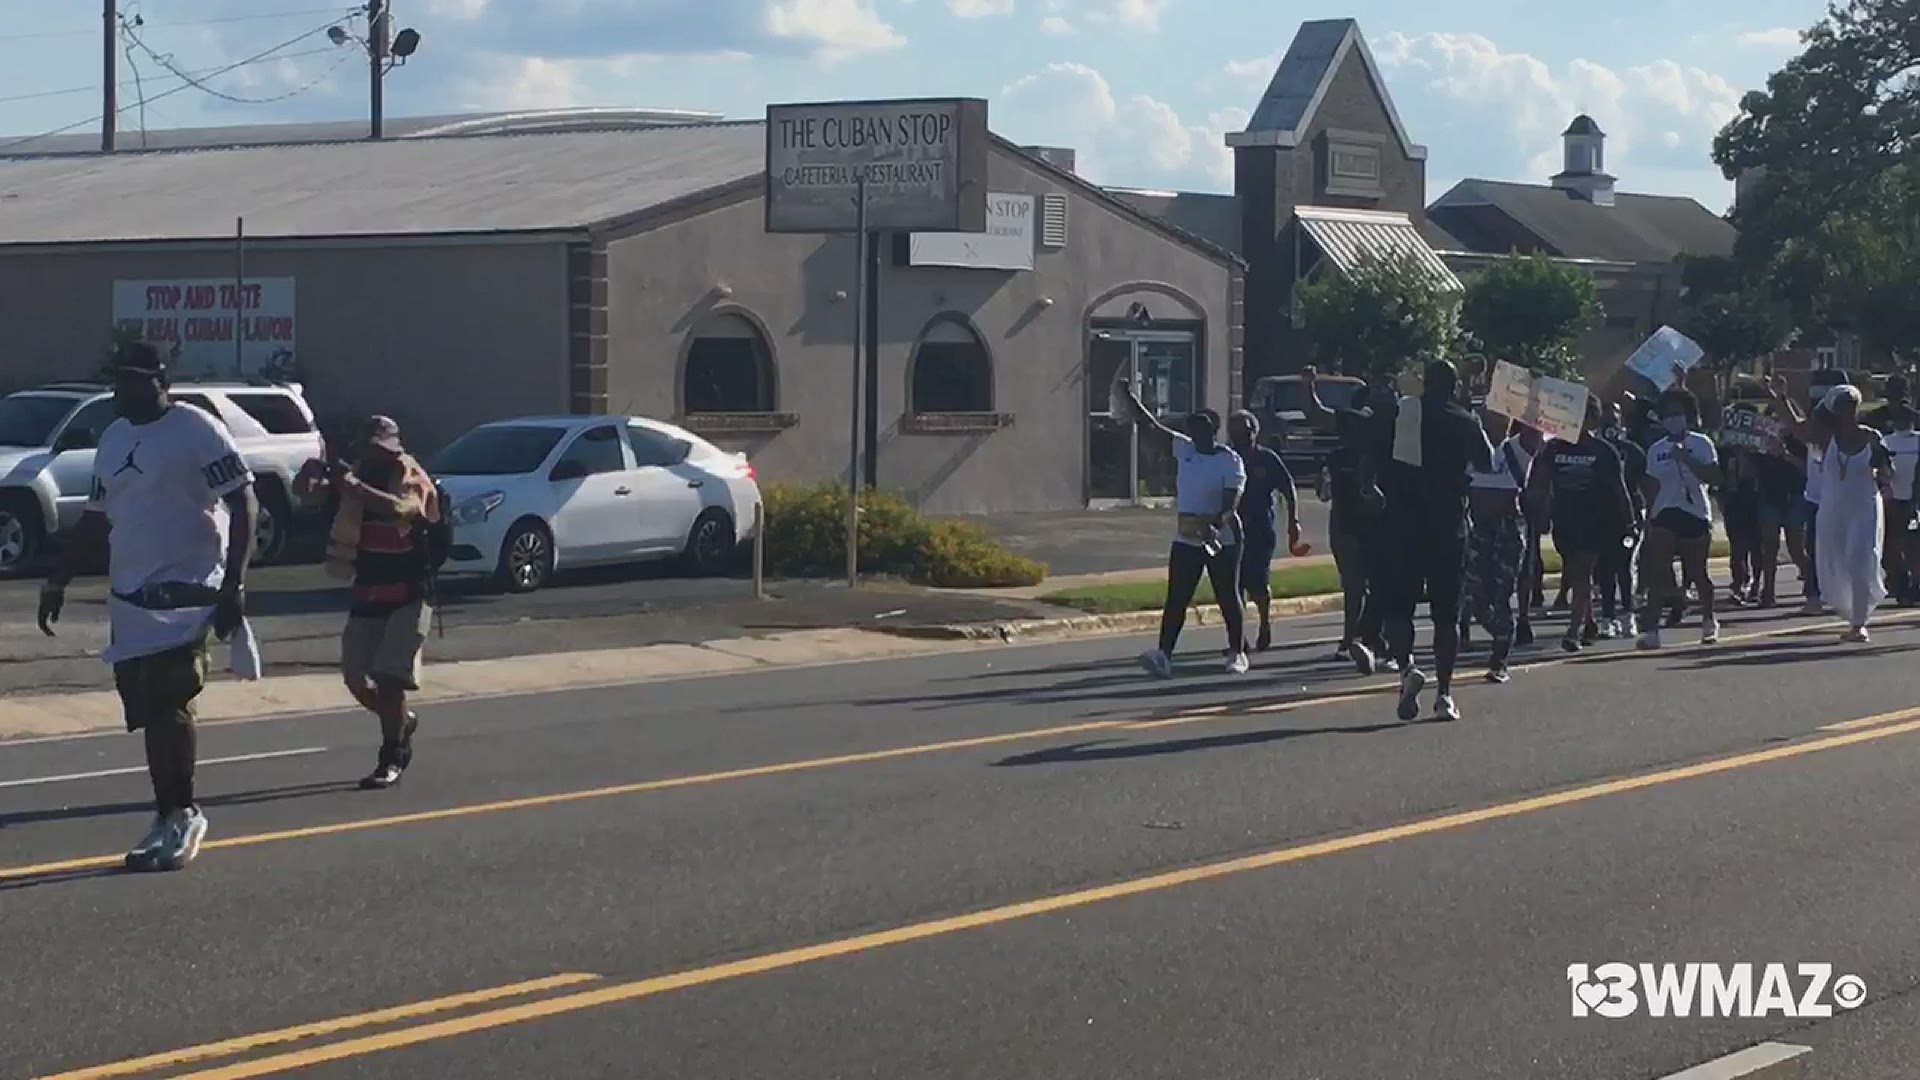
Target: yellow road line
{"points": [[623, 992], [96, 862], [245, 1043]]}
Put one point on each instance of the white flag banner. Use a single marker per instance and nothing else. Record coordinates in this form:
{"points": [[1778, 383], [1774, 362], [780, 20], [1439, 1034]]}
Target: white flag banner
{"points": [[1655, 359]]}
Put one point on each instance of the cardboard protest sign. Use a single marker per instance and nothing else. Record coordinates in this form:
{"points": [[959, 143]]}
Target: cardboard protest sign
{"points": [[1746, 429], [1555, 407]]}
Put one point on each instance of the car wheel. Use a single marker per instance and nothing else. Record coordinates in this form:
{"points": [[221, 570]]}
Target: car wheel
{"points": [[270, 528], [526, 558], [22, 535], [711, 544]]}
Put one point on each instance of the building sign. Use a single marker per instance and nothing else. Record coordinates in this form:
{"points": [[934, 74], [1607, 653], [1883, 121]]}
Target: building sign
{"points": [[924, 163], [1006, 245], [194, 322], [1556, 408]]}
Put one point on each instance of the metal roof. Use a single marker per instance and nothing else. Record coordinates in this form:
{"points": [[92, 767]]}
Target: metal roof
{"points": [[397, 127], [395, 187], [1349, 237]]}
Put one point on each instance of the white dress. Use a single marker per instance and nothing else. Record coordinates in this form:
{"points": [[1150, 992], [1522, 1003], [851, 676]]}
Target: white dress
{"points": [[1851, 523]]}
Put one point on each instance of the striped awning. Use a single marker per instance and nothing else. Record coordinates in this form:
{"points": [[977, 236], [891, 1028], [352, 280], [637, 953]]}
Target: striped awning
{"points": [[1347, 237]]}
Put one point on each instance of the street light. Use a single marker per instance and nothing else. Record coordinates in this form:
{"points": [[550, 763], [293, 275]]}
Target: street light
{"points": [[384, 54]]}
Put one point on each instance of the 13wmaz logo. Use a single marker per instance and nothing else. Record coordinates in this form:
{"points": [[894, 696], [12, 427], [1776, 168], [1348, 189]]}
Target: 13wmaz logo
{"points": [[1736, 991]]}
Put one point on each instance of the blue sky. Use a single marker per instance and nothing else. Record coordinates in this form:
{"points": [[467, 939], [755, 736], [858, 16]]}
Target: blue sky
{"points": [[1144, 89]]}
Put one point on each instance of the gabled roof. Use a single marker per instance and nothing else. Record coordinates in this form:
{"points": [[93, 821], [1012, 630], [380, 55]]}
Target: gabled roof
{"points": [[1300, 85], [1637, 228]]}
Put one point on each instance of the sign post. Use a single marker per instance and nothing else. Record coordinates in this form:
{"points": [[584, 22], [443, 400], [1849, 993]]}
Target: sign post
{"points": [[916, 165], [859, 379]]}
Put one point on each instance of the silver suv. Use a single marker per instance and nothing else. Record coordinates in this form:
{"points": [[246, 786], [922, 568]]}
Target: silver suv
{"points": [[47, 438]]}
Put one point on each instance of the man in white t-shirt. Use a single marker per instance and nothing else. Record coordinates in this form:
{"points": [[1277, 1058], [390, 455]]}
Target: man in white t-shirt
{"points": [[1207, 489], [174, 502]]}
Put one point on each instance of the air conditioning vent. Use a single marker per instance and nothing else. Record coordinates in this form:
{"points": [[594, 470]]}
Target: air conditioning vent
{"points": [[1053, 221]]}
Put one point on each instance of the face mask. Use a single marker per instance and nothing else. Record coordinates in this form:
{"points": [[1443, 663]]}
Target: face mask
{"points": [[1675, 425]]}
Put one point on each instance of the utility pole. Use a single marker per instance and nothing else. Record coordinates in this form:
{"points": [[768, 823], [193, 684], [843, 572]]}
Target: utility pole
{"points": [[377, 41], [109, 97]]}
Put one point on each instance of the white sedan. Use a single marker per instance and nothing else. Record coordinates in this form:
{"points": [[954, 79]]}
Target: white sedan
{"points": [[533, 495]]}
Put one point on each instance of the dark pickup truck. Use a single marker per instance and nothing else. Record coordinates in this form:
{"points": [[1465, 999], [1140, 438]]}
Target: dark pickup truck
{"points": [[1280, 401]]}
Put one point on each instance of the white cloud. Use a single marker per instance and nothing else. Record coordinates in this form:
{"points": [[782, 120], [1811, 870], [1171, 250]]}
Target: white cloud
{"points": [[1780, 37], [834, 28], [1137, 140], [1661, 114], [1255, 72], [457, 9], [979, 9], [1134, 14], [1056, 26]]}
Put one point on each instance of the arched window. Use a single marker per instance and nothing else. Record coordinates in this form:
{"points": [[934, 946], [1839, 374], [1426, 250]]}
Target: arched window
{"points": [[729, 369], [952, 371]]}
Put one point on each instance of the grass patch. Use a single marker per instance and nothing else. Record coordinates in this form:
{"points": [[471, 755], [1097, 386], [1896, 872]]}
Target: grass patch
{"points": [[1317, 579]]}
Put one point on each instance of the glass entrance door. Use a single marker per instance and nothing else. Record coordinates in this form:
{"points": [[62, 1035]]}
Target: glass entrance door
{"points": [[1159, 365]]}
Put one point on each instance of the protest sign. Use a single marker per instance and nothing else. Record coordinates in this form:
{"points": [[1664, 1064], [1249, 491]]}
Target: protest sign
{"points": [[1746, 429], [1555, 407], [1654, 360]]}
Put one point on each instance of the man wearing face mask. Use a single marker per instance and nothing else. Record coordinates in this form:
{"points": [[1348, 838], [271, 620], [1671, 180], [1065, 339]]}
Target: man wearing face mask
{"points": [[1207, 491], [378, 540], [173, 502]]}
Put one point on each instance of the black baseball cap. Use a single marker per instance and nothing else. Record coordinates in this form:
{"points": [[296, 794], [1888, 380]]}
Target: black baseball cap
{"points": [[139, 358]]}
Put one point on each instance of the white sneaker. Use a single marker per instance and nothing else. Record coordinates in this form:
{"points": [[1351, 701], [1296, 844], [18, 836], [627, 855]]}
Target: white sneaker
{"points": [[1444, 708], [1857, 636], [1237, 664], [1649, 640], [185, 830], [1609, 629], [1411, 683], [1157, 663], [1629, 626], [1813, 606], [144, 852], [1710, 632]]}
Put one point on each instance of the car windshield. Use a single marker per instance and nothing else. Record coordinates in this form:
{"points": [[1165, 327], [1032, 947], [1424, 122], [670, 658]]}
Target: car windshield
{"points": [[29, 419], [497, 451]]}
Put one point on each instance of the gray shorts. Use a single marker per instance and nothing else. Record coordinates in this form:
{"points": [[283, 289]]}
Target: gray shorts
{"points": [[386, 649]]}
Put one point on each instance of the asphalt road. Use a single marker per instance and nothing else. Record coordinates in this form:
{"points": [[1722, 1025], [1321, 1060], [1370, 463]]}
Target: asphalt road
{"points": [[1002, 862]]}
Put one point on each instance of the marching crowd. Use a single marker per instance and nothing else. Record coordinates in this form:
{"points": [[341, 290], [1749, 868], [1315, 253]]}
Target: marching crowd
{"points": [[1434, 498]]}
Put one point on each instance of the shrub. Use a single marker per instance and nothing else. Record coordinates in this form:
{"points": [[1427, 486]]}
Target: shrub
{"points": [[807, 537]]}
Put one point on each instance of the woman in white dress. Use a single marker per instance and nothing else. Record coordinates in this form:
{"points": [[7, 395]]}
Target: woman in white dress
{"points": [[1853, 469]]}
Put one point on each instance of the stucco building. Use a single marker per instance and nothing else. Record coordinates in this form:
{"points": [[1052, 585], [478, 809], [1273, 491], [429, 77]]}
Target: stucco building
{"points": [[468, 274]]}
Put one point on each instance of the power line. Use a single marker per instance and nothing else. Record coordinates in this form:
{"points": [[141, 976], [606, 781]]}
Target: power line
{"points": [[335, 11], [190, 79], [94, 89], [235, 66]]}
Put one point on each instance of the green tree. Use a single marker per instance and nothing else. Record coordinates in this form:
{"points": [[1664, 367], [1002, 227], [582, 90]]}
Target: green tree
{"points": [[1386, 316], [1815, 148], [1530, 310], [1735, 319]]}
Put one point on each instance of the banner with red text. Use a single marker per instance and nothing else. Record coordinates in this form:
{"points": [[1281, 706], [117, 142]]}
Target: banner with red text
{"points": [[194, 322]]}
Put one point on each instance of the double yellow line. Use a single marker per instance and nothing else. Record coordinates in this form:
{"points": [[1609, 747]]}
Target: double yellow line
{"points": [[1885, 726]]}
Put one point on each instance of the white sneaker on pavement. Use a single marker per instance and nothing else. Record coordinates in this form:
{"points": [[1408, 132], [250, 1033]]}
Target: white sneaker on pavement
{"points": [[1445, 709], [185, 830], [1237, 664], [1857, 636], [143, 854], [1157, 663], [1710, 631], [1412, 681]]}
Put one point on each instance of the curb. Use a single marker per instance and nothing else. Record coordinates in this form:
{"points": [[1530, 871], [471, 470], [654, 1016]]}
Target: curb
{"points": [[1130, 622]]}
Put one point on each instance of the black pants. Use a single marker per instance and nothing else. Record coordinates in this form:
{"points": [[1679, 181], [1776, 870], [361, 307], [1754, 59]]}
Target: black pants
{"points": [[1185, 564], [1614, 577], [1352, 555]]}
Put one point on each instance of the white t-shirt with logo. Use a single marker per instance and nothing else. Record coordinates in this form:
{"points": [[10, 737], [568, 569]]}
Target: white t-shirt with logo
{"points": [[1203, 481], [1904, 448], [1680, 489], [161, 487]]}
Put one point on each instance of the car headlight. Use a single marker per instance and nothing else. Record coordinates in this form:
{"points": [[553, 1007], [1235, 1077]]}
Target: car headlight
{"points": [[477, 509]]}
